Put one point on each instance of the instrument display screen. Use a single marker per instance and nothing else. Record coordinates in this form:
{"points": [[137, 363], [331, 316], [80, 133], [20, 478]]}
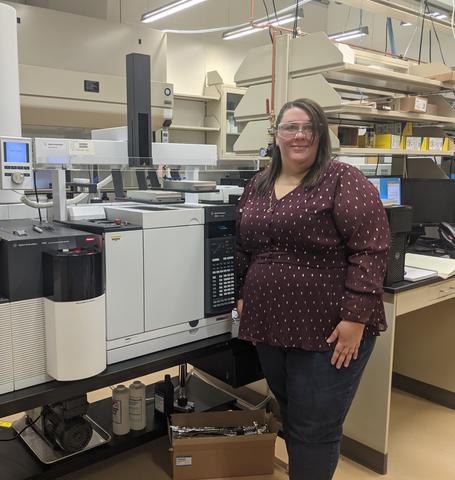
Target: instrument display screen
{"points": [[16, 152]]}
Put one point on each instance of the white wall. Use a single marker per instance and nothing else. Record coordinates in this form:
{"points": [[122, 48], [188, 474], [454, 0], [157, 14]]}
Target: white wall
{"points": [[50, 38], [83, 45], [189, 57]]}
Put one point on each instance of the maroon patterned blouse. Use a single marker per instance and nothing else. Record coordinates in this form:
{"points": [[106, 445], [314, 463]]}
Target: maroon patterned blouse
{"points": [[316, 257]]}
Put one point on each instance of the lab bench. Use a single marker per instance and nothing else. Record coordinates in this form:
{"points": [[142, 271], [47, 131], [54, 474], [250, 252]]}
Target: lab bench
{"points": [[18, 463], [414, 355]]}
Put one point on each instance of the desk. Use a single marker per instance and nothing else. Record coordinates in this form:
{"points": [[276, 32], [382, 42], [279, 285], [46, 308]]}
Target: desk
{"points": [[415, 353]]}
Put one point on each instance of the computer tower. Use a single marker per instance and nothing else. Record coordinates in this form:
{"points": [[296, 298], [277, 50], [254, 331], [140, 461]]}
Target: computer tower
{"points": [[400, 222]]}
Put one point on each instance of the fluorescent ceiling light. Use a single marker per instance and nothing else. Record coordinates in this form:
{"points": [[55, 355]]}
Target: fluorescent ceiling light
{"points": [[169, 9], [437, 15], [248, 30], [405, 24], [349, 34]]}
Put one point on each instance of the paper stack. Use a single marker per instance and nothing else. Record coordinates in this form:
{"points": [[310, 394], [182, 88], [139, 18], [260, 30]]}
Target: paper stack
{"points": [[445, 267]]}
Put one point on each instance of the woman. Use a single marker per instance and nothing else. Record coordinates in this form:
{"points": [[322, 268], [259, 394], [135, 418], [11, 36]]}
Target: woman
{"points": [[312, 245]]}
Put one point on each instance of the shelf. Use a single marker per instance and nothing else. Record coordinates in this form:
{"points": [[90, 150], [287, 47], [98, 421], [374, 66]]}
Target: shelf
{"points": [[367, 152], [357, 112], [18, 463], [316, 54], [377, 78], [230, 133], [195, 98], [364, 91], [54, 391], [194, 128]]}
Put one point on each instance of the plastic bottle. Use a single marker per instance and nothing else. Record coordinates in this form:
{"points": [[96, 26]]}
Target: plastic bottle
{"points": [[120, 410], [164, 396], [138, 419]]}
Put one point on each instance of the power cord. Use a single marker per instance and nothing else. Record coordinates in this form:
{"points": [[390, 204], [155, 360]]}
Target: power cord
{"points": [[296, 19], [427, 8], [408, 46], [20, 432], [276, 14], [36, 196], [421, 32], [274, 10]]}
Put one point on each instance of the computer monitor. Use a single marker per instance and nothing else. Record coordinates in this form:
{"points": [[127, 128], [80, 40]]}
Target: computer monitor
{"points": [[389, 189], [432, 200]]}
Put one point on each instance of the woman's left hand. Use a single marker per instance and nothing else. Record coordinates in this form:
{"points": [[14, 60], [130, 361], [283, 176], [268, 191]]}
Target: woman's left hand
{"points": [[349, 335]]}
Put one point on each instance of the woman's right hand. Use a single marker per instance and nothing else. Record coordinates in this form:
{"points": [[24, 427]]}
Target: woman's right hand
{"points": [[240, 306]]}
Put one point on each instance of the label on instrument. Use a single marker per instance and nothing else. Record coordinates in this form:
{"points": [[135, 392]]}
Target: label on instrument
{"points": [[184, 461], [81, 147]]}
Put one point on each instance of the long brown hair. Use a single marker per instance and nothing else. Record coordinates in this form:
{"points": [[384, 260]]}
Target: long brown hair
{"points": [[321, 134]]}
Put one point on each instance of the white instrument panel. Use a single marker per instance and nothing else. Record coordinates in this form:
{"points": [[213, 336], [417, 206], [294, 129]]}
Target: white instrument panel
{"points": [[16, 163]]}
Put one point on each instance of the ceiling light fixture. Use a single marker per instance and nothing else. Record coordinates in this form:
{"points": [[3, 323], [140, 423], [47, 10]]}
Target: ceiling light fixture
{"points": [[405, 24], [349, 34], [437, 15], [169, 9], [260, 25]]}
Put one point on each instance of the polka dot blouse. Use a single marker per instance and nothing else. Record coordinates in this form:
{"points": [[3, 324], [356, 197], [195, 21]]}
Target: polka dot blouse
{"points": [[314, 257]]}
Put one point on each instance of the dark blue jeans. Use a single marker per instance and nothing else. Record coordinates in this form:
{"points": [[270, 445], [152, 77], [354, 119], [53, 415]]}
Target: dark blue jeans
{"points": [[314, 399]]}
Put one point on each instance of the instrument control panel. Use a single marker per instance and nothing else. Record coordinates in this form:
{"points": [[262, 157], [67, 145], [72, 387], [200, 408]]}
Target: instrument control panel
{"points": [[16, 171]]}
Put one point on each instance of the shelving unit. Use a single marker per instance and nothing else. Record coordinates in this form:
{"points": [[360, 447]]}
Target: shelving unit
{"points": [[27, 467], [349, 83], [338, 63], [222, 115], [207, 119], [189, 118]]}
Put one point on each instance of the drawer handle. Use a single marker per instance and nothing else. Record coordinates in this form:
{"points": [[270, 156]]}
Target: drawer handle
{"points": [[448, 291]]}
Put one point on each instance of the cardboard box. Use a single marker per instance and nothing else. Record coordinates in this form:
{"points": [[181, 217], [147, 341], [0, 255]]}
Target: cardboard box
{"points": [[433, 137], [212, 457], [432, 143], [386, 141], [411, 143], [413, 104]]}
